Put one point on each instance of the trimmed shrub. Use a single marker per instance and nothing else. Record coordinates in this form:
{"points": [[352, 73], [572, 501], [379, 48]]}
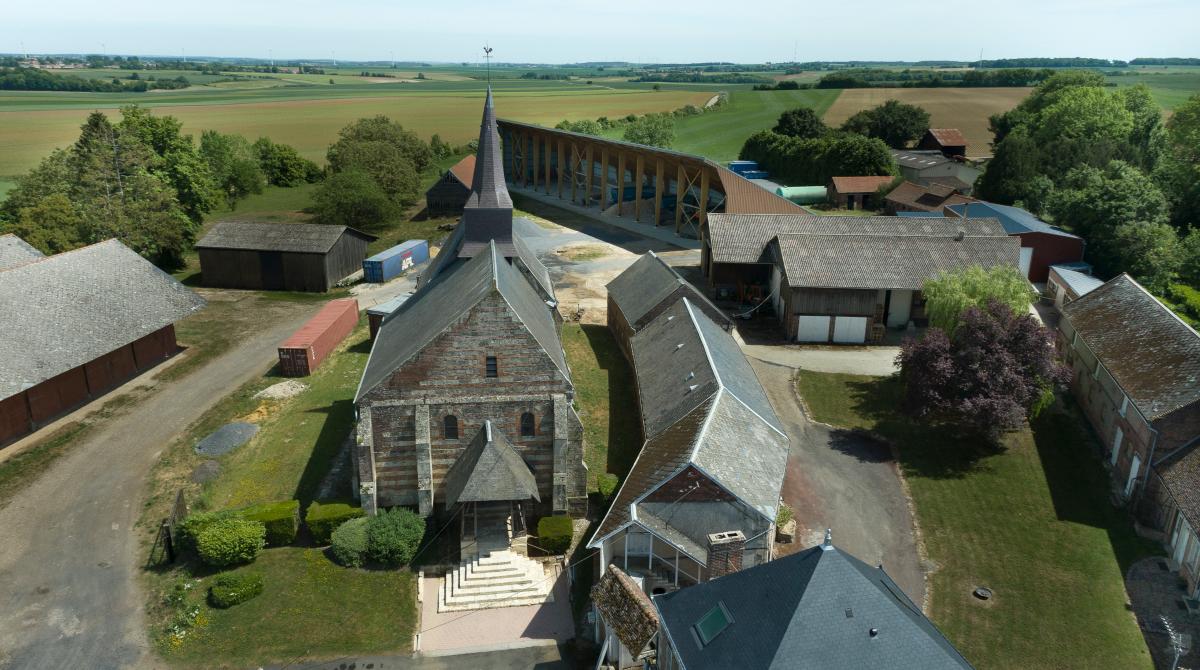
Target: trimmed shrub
{"points": [[349, 542], [784, 515], [393, 536], [555, 533], [230, 541], [281, 520], [191, 527], [322, 519], [234, 588], [607, 483]]}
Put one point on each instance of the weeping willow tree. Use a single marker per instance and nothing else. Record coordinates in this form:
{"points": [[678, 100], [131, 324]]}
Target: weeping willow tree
{"points": [[949, 294]]}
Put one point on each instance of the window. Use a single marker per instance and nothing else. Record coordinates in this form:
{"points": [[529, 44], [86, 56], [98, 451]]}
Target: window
{"points": [[450, 428], [491, 367], [712, 624], [1124, 404], [528, 428]]}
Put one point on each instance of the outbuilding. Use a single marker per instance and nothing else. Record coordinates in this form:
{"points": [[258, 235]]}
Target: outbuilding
{"points": [[78, 324], [857, 192], [280, 256], [449, 193], [950, 142], [928, 167], [913, 197], [1070, 282]]}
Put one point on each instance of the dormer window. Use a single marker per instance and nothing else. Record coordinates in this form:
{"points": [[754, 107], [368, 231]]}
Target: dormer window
{"points": [[712, 624], [490, 367]]}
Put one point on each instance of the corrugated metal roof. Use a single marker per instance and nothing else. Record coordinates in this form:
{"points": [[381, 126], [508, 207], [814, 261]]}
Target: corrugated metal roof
{"points": [[1014, 219], [15, 251], [919, 159], [948, 137], [1079, 283], [308, 238], [860, 184], [818, 605], [1152, 355], [65, 310]]}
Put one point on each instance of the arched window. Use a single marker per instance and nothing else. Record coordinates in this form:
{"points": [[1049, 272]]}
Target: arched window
{"points": [[450, 427], [528, 428]]}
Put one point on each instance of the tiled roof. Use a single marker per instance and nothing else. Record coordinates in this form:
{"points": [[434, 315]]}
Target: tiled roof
{"points": [[930, 198], [293, 237], [626, 609], [742, 238], [948, 137], [1152, 355], [489, 470], [646, 283], [1180, 473], [860, 184], [1014, 219], [820, 608], [464, 170], [886, 262], [68, 309], [15, 251]]}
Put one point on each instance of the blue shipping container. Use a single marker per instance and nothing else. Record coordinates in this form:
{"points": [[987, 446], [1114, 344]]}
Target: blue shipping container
{"points": [[755, 174], [389, 264], [742, 166]]}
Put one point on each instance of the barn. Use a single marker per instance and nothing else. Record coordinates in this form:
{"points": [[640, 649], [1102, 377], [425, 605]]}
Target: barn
{"points": [[857, 192], [449, 193], [280, 256], [78, 324], [950, 142], [841, 279]]}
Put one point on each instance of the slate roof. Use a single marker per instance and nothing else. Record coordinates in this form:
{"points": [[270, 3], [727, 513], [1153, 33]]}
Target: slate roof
{"points": [[15, 251], [489, 469], [309, 238], [742, 238], [813, 609], [1180, 473], [626, 609], [702, 404], [885, 261], [948, 137], [464, 170], [1152, 355], [860, 184], [929, 198], [1014, 219], [530, 261], [1079, 282], [488, 190], [646, 283], [65, 310], [446, 300]]}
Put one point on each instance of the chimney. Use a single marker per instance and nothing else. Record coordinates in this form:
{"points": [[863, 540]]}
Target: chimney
{"points": [[725, 552]]}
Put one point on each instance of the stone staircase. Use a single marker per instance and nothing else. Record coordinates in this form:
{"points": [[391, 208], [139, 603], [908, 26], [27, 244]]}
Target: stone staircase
{"points": [[497, 579]]}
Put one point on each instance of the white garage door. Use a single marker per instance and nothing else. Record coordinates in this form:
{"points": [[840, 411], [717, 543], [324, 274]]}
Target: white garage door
{"points": [[812, 329], [850, 330], [1026, 259]]}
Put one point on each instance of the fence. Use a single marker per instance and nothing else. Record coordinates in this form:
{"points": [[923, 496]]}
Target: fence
{"points": [[163, 551]]}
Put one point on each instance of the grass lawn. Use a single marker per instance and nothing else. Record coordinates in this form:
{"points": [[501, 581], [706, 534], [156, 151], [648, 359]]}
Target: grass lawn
{"points": [[1029, 519], [604, 388]]}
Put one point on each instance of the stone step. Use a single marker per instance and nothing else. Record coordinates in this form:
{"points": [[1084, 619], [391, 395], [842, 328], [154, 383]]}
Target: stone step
{"points": [[463, 582], [470, 571], [443, 606], [494, 593]]}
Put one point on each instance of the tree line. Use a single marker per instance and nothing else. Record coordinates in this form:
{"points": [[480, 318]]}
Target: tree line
{"points": [[873, 77], [31, 79]]}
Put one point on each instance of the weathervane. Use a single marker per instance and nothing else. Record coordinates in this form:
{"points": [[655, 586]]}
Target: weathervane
{"points": [[487, 55]]}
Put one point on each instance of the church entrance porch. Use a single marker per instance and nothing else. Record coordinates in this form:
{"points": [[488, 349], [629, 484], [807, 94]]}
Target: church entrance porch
{"points": [[495, 570]]}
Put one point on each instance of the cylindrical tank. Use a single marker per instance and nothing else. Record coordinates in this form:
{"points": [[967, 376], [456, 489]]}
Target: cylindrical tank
{"points": [[802, 195]]}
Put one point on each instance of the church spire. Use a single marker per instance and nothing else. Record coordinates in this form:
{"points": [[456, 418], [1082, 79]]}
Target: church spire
{"points": [[487, 215]]}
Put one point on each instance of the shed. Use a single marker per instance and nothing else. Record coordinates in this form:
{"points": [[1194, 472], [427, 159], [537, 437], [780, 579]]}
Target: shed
{"points": [[923, 167], [280, 256], [1066, 283], [949, 141], [449, 193], [857, 192], [912, 197], [379, 313]]}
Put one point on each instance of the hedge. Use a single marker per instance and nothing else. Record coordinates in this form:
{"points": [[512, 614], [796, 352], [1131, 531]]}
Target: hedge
{"points": [[193, 525], [349, 542], [230, 541], [322, 519], [234, 588], [281, 519], [394, 535], [555, 533]]}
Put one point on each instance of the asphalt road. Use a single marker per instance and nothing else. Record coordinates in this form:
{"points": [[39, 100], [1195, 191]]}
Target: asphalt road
{"points": [[845, 482], [69, 559]]}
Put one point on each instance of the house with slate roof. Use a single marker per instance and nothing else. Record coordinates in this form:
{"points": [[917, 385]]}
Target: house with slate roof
{"points": [[280, 256], [1136, 375], [465, 406], [643, 291]]}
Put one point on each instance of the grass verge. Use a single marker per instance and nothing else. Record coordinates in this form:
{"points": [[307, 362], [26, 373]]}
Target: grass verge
{"points": [[1029, 518]]}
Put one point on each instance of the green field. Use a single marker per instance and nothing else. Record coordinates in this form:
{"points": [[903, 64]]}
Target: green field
{"points": [[1169, 86], [719, 134]]}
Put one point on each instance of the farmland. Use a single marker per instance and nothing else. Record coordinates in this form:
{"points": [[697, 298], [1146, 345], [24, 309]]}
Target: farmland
{"points": [[967, 109]]}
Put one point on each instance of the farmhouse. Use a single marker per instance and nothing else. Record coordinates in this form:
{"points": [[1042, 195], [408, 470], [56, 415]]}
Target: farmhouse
{"points": [[15, 251], [79, 323], [1068, 282], [657, 186], [465, 406], [947, 141], [856, 192], [1136, 369], [929, 167], [280, 256], [448, 195], [643, 291], [843, 280], [910, 197]]}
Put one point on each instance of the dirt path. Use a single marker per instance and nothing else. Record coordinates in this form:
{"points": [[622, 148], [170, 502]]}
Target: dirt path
{"points": [[69, 559]]}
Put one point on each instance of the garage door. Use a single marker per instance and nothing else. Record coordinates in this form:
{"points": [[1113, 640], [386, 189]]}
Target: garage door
{"points": [[812, 329], [1026, 259], [850, 330]]}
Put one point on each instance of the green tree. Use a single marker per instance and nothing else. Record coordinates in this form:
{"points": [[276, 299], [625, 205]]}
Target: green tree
{"points": [[950, 294], [234, 164], [176, 160], [438, 147], [1082, 126], [894, 122], [801, 122], [653, 130], [353, 198], [283, 165], [51, 224], [381, 129], [387, 165], [1178, 170], [1189, 255], [816, 161]]}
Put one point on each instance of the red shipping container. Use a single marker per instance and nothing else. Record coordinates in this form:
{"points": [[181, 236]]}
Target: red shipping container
{"points": [[301, 353]]}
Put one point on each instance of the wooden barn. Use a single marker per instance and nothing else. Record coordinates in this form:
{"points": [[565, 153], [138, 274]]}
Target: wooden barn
{"points": [[949, 141], [79, 324], [280, 256], [857, 192], [448, 195]]}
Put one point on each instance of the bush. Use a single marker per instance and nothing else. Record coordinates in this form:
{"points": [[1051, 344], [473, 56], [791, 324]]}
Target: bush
{"points": [[784, 515], [393, 536], [608, 483], [1186, 298], [353, 199], [322, 519], [555, 533], [281, 520], [230, 541], [350, 542], [191, 527], [234, 588]]}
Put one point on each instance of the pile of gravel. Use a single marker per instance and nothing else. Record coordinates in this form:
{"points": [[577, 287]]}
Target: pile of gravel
{"points": [[282, 390], [226, 438]]}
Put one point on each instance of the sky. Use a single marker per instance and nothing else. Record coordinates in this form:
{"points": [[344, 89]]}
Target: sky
{"points": [[566, 31]]}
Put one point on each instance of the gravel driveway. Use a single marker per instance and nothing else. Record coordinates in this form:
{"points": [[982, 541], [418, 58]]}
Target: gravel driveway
{"points": [[847, 482]]}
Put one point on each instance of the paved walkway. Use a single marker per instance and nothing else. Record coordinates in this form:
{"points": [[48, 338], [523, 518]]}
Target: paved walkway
{"points": [[1156, 591], [873, 361], [547, 657]]}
